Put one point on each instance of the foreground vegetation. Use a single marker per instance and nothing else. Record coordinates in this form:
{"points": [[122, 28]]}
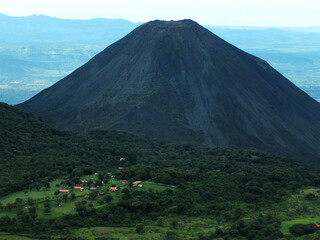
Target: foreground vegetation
{"points": [[188, 192]]}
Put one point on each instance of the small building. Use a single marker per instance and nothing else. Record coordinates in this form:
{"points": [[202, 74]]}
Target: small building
{"points": [[101, 193], [93, 188], [77, 187], [114, 189], [64, 191], [136, 183], [102, 182], [87, 196], [84, 182], [124, 181]]}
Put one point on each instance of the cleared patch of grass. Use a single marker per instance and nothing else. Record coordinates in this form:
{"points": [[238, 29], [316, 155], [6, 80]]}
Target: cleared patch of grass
{"points": [[156, 186], [187, 228], [287, 224], [14, 237], [315, 191]]}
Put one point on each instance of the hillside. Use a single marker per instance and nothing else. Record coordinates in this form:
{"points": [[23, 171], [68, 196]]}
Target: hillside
{"points": [[188, 192], [178, 81]]}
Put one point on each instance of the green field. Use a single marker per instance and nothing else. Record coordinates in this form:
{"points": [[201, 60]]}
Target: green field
{"points": [[14, 237], [64, 207], [187, 228], [295, 209], [67, 207]]}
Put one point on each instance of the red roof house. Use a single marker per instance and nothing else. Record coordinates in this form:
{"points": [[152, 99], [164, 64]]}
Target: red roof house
{"points": [[93, 188], [64, 191], [77, 187], [136, 183], [86, 196], [114, 189]]}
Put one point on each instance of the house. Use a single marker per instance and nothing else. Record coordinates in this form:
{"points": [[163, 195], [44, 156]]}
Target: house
{"points": [[93, 188], [136, 183], [101, 193], [64, 191], [87, 196], [102, 182], [77, 187], [114, 189], [124, 181], [84, 182]]}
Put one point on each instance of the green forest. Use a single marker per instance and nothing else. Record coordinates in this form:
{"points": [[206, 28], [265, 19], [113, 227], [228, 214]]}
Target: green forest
{"points": [[187, 192]]}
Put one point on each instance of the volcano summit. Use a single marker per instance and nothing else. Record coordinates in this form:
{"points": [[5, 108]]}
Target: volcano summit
{"points": [[176, 80]]}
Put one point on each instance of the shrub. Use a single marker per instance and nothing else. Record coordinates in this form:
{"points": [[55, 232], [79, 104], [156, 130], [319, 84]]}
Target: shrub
{"points": [[302, 229]]}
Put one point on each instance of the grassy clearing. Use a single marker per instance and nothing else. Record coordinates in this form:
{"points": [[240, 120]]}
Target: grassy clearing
{"points": [[68, 206], [187, 228], [287, 224], [4, 236], [156, 186], [315, 191]]}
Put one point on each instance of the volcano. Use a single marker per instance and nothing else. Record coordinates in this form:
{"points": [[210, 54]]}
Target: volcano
{"points": [[178, 81]]}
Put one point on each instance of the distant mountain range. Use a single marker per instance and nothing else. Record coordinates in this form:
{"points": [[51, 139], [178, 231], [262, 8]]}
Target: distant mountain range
{"points": [[176, 80], [37, 51], [40, 29]]}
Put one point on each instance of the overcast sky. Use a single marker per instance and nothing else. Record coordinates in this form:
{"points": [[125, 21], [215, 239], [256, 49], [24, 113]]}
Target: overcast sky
{"points": [[206, 12]]}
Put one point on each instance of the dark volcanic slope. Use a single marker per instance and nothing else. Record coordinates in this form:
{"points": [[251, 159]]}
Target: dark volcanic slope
{"points": [[176, 80]]}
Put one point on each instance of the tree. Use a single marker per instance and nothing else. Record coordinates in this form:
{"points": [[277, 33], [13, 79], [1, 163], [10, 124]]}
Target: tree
{"points": [[47, 207], [139, 228], [37, 186], [170, 235], [93, 195], [72, 196], [310, 196], [90, 182], [30, 201], [18, 201], [107, 198], [174, 223], [160, 221], [65, 197], [32, 212], [58, 201]]}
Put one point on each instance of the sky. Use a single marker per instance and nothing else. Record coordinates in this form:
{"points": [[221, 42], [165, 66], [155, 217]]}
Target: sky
{"points": [[287, 13]]}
